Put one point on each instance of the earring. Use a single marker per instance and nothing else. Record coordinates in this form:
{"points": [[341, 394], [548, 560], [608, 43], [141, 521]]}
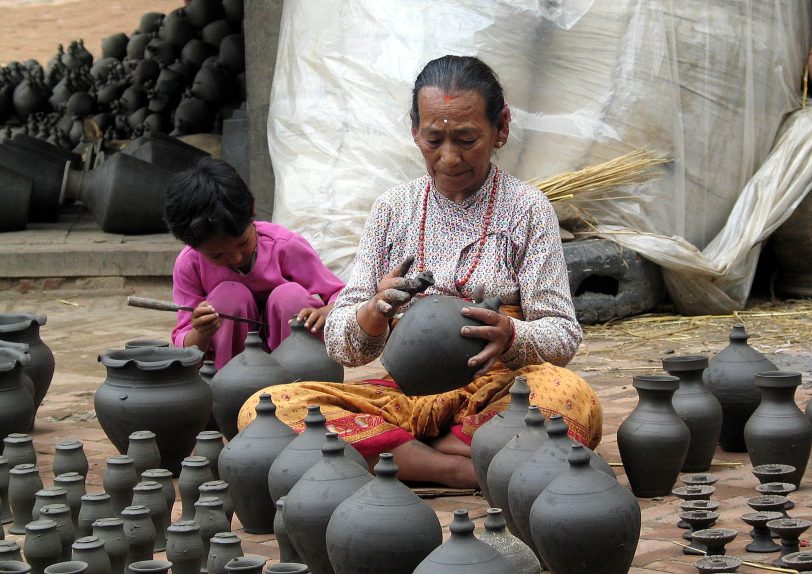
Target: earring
{"points": [[500, 144]]}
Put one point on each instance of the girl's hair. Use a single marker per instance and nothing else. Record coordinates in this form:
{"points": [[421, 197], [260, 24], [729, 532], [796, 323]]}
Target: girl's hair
{"points": [[207, 200], [461, 74]]}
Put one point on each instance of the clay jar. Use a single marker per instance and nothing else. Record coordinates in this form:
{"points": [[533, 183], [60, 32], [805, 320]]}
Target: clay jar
{"points": [[209, 444], [516, 551], [16, 403], [18, 448], [312, 500], [697, 407], [223, 546], [245, 462], [494, 434], [383, 527], [74, 485], [244, 375], [184, 547], [653, 440], [60, 514], [730, 376], [778, 432], [5, 508], [210, 517], [119, 480], [287, 553], [42, 546], [426, 353], [69, 456], [111, 532], [195, 471], [139, 532], [150, 493], [23, 486], [94, 507], [150, 567], [582, 500], [220, 489], [90, 549], [143, 449], [305, 356], [154, 389], [24, 328]]}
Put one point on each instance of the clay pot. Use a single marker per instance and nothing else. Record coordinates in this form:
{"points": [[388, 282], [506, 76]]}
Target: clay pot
{"points": [[16, 403], [202, 12], [193, 116], [214, 32], [583, 498], [163, 477], [14, 567], [302, 453], [139, 532], [18, 448], [150, 22], [223, 547], [220, 489], [60, 514], [383, 527], [426, 353], [46, 496], [730, 377], [157, 390], [23, 486], [67, 567], [246, 565], [111, 532], [46, 175], [232, 53], [234, 10], [90, 549], [30, 97], [42, 546], [81, 104], [55, 152], [94, 507], [312, 500], [115, 46], [74, 485], [24, 328], [5, 508], [305, 356], [211, 518], [287, 553], [119, 479], [150, 567], [150, 494], [164, 151], [176, 28], [517, 552], [143, 449], [16, 196], [144, 72], [194, 472], [778, 432], [9, 550], [184, 547], [212, 84], [209, 445], [69, 456], [196, 52], [653, 441], [287, 568], [161, 51]]}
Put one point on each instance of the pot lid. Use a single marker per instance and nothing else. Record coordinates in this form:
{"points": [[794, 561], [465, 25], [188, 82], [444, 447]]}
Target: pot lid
{"points": [[151, 358]]}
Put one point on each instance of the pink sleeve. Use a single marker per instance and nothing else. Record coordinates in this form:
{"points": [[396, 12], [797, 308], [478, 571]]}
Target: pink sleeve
{"points": [[300, 263], [187, 290]]}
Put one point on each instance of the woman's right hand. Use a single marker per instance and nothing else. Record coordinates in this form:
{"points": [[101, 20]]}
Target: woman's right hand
{"points": [[205, 320], [392, 293]]}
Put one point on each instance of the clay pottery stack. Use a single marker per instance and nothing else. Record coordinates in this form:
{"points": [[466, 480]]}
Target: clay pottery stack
{"points": [[653, 440], [18, 448], [383, 527], [60, 514], [111, 532], [16, 403], [184, 547], [119, 479], [778, 432], [24, 328], [69, 456], [223, 546], [23, 486], [697, 407], [305, 356], [94, 507], [245, 463], [90, 549], [195, 471], [42, 546], [139, 532], [581, 500], [5, 477], [211, 519], [730, 376], [494, 434], [143, 449], [154, 389], [312, 500], [150, 493], [209, 445], [426, 353], [517, 552], [287, 553], [244, 375]]}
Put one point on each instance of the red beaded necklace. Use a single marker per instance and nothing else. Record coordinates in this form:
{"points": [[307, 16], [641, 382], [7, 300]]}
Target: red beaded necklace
{"points": [[485, 225]]}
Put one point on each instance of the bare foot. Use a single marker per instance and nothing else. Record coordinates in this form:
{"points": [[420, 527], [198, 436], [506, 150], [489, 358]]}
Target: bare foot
{"points": [[450, 444], [418, 462]]}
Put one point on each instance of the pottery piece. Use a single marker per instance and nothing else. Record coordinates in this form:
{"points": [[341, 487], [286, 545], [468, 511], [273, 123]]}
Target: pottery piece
{"points": [[768, 503], [714, 539], [23, 486], [119, 479], [209, 445], [16, 403], [383, 526], [42, 546], [184, 547], [16, 195], [210, 517], [777, 431], [18, 448], [143, 449], [196, 52], [246, 565], [697, 520], [517, 552], [232, 53], [653, 440], [790, 530], [202, 12], [287, 553], [223, 546], [5, 477], [46, 175], [10, 550], [67, 567], [176, 28], [90, 549], [14, 567], [730, 376], [305, 356], [139, 532], [157, 390], [426, 353], [712, 564], [60, 514], [150, 567], [195, 470], [192, 115], [69, 456], [287, 568], [111, 532], [163, 477], [800, 561], [94, 507], [703, 479], [164, 151], [220, 489], [762, 540], [24, 328], [49, 495], [150, 493], [234, 10], [115, 46]]}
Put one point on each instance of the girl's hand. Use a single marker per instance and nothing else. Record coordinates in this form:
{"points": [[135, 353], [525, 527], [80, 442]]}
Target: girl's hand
{"points": [[205, 320], [314, 318]]}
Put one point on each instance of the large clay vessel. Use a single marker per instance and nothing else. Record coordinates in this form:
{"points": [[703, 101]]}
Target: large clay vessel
{"points": [[383, 527], [494, 434], [697, 407], [245, 462], [16, 403], [46, 174], [164, 151], [154, 389], [245, 374], [584, 502], [517, 552], [305, 356], [730, 376], [24, 328], [426, 353], [778, 432], [15, 193], [312, 500]]}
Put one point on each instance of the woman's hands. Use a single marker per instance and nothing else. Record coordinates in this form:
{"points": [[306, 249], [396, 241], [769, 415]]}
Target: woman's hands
{"points": [[392, 293], [314, 318], [205, 322], [497, 331]]}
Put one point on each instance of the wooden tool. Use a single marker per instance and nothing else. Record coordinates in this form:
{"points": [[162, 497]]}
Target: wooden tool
{"points": [[155, 304]]}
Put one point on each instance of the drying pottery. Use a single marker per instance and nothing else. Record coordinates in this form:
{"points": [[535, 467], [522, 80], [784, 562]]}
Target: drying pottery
{"points": [[23, 486], [150, 22], [383, 526], [426, 353], [69, 456], [18, 448], [24, 328], [150, 567], [800, 561], [287, 553], [115, 46], [91, 550], [245, 374], [163, 477], [777, 431], [714, 540], [143, 449], [304, 355], [5, 509], [517, 552], [111, 532], [16, 403], [223, 546], [46, 496], [220, 489], [150, 493], [196, 52], [94, 507], [184, 547], [60, 514], [176, 28], [164, 151], [194, 472], [67, 567], [42, 546], [214, 32], [202, 12], [139, 532], [246, 565], [192, 115], [16, 198], [232, 53], [209, 445], [730, 376], [46, 175], [119, 479], [790, 530], [580, 498], [210, 517], [653, 440], [9, 550], [762, 539], [158, 390]]}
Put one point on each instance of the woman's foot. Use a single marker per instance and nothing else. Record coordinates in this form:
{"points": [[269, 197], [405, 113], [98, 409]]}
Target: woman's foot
{"points": [[418, 462], [450, 444]]}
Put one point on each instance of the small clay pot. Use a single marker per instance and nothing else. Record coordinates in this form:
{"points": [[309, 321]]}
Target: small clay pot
{"points": [[67, 567], [10, 551], [23, 486], [223, 546], [45, 496], [90, 549], [94, 507], [184, 547], [214, 32], [195, 470], [209, 445], [115, 46], [232, 53], [517, 552], [119, 479], [163, 477], [139, 532], [176, 28], [42, 546], [69, 456], [287, 553], [111, 532], [220, 489], [60, 514], [143, 449], [150, 493], [14, 567], [246, 565], [211, 518], [150, 22], [150, 567]]}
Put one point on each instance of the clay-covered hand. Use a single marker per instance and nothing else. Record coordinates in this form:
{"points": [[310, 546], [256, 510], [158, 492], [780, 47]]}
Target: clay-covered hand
{"points": [[314, 318], [497, 331], [394, 290], [205, 320]]}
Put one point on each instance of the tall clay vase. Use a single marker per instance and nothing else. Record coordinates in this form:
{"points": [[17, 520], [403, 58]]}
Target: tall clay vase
{"points": [[5, 477], [42, 545], [312, 500], [209, 443], [195, 471], [517, 552], [653, 441], [730, 376], [383, 527], [139, 532], [305, 356], [245, 462], [24, 328], [184, 547], [697, 407], [119, 479], [245, 374], [494, 434], [69, 456], [23, 486], [155, 389], [150, 493], [16, 404], [111, 532], [778, 432], [223, 546], [579, 502]]}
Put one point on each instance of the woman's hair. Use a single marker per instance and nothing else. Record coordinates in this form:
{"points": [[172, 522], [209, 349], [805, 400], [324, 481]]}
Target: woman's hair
{"points": [[461, 74], [207, 200]]}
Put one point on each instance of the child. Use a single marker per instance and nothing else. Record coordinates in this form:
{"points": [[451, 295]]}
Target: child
{"points": [[238, 266]]}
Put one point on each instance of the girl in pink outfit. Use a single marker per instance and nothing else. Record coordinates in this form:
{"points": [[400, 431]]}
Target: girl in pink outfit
{"points": [[238, 266]]}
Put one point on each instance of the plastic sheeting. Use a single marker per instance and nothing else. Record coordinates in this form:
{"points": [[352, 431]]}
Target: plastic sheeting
{"points": [[706, 82]]}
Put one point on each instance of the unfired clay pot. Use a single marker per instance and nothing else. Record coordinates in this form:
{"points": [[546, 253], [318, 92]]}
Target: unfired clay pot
{"points": [[305, 356], [24, 328]]}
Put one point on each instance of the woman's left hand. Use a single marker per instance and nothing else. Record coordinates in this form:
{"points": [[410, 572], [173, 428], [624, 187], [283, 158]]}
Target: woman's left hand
{"points": [[497, 330], [314, 318]]}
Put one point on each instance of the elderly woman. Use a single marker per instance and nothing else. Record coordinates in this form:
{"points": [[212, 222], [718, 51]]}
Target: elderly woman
{"points": [[477, 228]]}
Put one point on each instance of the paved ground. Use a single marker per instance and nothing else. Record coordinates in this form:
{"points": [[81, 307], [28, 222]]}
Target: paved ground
{"points": [[87, 316]]}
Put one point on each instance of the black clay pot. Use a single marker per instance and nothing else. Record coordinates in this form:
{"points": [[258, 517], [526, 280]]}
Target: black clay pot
{"points": [[111, 532], [48, 496], [176, 28], [14, 567], [67, 567], [47, 176], [184, 547], [234, 10], [202, 12], [221, 490], [23, 486], [136, 46], [383, 527], [10, 551], [582, 500], [697, 407], [5, 508], [74, 485], [150, 567], [69, 456], [150, 22], [211, 518], [139, 532], [245, 462], [223, 547], [115, 46], [245, 374], [15, 193], [778, 432], [144, 72], [193, 116], [287, 553], [42, 546], [209, 444], [24, 328], [18, 448], [246, 565], [195, 470], [143, 449], [212, 84], [426, 353], [60, 513], [16, 403], [94, 507], [232, 53], [119, 479], [90, 549], [158, 390], [305, 356], [517, 552], [312, 500], [730, 377], [164, 151], [196, 52], [150, 493], [30, 97], [163, 477], [214, 32]]}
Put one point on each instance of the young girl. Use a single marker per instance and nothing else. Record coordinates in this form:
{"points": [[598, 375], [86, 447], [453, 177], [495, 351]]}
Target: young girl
{"points": [[238, 266]]}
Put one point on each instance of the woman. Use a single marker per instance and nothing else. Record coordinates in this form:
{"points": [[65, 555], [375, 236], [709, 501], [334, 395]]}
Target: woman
{"points": [[472, 225]]}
